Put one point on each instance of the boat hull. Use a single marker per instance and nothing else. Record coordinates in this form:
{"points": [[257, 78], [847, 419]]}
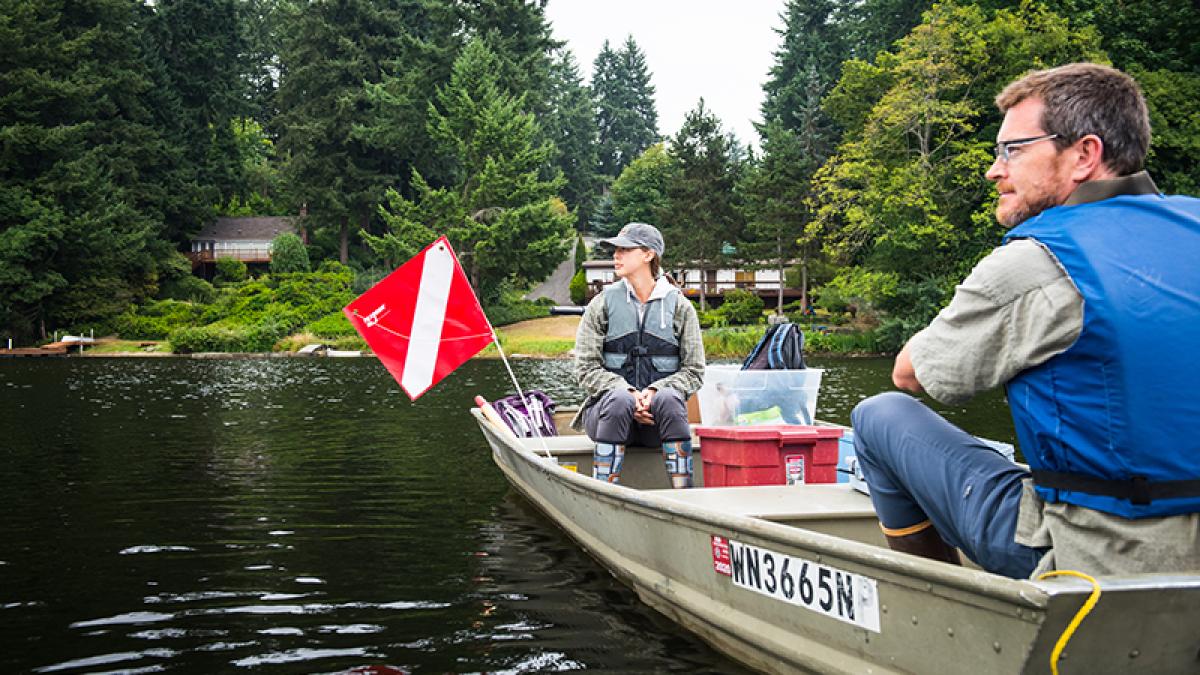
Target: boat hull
{"points": [[928, 615]]}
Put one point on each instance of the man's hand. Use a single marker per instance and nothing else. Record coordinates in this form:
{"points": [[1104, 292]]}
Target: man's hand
{"points": [[641, 408]]}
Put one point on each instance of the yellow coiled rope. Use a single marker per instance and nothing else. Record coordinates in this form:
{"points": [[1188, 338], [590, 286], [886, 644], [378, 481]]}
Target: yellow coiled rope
{"points": [[1079, 616]]}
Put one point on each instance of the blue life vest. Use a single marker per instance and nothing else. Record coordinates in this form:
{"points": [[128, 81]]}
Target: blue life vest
{"points": [[1113, 423], [641, 350]]}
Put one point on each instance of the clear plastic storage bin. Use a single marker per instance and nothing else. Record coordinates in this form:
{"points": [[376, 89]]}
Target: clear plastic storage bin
{"points": [[734, 397]]}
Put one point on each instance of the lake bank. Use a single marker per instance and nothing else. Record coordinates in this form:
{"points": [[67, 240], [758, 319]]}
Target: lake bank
{"points": [[545, 338]]}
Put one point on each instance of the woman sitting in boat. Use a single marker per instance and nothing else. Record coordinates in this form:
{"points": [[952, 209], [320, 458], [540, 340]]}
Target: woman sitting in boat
{"points": [[639, 356]]}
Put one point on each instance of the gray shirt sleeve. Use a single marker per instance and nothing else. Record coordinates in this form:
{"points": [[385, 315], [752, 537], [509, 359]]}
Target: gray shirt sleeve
{"points": [[1016, 309]]}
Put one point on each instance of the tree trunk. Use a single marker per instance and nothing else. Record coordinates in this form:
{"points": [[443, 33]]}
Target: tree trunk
{"points": [[779, 250], [804, 280], [344, 243], [703, 288]]}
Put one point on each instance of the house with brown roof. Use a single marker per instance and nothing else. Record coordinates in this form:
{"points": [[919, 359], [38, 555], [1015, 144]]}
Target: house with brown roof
{"points": [[245, 238]]}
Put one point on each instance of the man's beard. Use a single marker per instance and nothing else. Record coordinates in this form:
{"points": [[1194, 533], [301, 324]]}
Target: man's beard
{"points": [[1027, 211]]}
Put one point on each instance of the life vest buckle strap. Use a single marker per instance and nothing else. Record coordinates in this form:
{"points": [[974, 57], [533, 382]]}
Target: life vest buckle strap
{"points": [[1138, 490]]}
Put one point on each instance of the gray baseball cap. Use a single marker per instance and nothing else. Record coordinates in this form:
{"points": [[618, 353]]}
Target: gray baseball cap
{"points": [[634, 235]]}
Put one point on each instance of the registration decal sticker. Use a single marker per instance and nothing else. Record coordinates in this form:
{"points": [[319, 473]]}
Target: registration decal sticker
{"points": [[832, 592], [720, 551]]}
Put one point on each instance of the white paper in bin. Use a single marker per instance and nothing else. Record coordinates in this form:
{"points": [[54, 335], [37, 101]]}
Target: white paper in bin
{"points": [[732, 396]]}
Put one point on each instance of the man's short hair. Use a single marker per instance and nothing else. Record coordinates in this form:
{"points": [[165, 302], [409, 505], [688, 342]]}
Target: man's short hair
{"points": [[1088, 98]]}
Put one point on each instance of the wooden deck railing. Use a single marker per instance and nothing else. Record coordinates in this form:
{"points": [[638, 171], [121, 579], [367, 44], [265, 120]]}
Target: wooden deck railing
{"points": [[764, 289], [256, 255]]}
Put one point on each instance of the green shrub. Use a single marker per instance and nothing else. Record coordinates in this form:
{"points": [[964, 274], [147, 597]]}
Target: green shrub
{"points": [[188, 287], [218, 338], [288, 254], [738, 342], [580, 255], [155, 320], [842, 343], [365, 279], [711, 318], [512, 312], [230, 270], [731, 342], [332, 325], [741, 307], [208, 339], [579, 287], [831, 299]]}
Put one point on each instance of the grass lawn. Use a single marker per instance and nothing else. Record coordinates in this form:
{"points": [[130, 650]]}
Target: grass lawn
{"points": [[127, 346]]}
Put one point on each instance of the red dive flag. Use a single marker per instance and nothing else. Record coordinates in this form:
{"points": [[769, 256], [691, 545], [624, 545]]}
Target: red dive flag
{"points": [[423, 320]]}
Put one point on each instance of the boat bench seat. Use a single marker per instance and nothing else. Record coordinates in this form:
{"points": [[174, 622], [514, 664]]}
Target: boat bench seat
{"points": [[779, 502], [834, 509]]}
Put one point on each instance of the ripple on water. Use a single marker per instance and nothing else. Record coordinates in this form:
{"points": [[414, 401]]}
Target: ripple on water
{"points": [[300, 654], [107, 659]]}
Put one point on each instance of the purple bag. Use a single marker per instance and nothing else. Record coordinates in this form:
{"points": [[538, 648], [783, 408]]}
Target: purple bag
{"points": [[539, 415]]}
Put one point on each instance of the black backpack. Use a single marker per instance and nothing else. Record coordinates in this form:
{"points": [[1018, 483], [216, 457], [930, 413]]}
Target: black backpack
{"points": [[782, 348]]}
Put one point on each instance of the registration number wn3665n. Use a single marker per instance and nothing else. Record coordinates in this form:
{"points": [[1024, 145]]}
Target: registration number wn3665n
{"points": [[830, 591]]}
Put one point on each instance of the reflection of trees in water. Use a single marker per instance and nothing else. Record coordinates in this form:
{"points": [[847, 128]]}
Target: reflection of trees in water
{"points": [[540, 594]]}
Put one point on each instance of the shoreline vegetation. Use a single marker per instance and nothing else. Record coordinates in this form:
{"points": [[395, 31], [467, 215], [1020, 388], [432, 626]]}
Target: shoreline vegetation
{"points": [[283, 312], [547, 338]]}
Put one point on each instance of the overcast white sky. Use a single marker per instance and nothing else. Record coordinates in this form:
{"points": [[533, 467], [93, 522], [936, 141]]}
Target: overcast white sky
{"points": [[717, 49]]}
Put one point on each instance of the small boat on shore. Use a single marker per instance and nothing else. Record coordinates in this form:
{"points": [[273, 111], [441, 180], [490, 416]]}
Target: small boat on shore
{"points": [[798, 578], [326, 350]]}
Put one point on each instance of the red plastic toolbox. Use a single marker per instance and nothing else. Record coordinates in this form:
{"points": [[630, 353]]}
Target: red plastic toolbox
{"points": [[775, 454]]}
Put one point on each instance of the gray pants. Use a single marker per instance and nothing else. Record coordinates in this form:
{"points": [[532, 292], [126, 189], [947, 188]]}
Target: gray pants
{"points": [[610, 420], [921, 467]]}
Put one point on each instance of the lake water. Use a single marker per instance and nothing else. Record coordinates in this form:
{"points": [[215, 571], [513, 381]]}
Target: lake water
{"points": [[299, 515]]}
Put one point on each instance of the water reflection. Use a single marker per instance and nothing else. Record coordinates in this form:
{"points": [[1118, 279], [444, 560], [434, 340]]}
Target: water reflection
{"points": [[304, 515]]}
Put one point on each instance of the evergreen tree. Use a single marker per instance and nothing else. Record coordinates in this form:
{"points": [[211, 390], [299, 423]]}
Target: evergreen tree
{"points": [[199, 43], [81, 204], [626, 119], [395, 123], [262, 38], [775, 194], [520, 37], [640, 193], [805, 69], [571, 126], [702, 215], [872, 26], [333, 51], [504, 219], [797, 135], [602, 222]]}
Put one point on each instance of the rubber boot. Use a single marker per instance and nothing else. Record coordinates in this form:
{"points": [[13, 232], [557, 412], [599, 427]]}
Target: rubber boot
{"points": [[677, 455], [607, 460], [922, 540]]}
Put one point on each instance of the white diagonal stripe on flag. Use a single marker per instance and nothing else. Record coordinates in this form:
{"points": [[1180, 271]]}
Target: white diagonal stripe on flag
{"points": [[437, 271]]}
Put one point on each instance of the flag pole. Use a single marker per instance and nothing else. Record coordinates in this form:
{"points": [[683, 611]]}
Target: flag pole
{"points": [[520, 392]]}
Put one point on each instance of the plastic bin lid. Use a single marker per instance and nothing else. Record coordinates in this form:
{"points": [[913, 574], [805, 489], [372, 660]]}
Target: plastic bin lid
{"points": [[769, 432]]}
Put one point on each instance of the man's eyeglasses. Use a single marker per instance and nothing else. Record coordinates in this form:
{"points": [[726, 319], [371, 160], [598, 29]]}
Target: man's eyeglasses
{"points": [[1003, 148]]}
